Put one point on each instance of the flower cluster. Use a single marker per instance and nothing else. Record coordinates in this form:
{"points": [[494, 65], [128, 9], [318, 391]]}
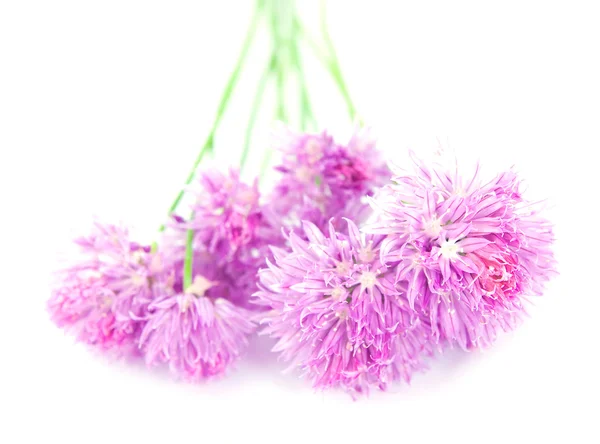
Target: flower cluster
{"points": [[469, 252], [321, 179], [445, 261], [227, 218], [197, 332], [131, 298], [231, 235], [101, 298], [336, 312]]}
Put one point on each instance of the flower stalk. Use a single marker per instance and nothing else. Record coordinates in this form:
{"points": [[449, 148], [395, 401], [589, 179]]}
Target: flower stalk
{"points": [[285, 62], [208, 146], [334, 65]]}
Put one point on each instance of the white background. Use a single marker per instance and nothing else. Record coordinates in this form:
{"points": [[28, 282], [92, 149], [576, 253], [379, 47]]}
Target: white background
{"points": [[103, 106]]}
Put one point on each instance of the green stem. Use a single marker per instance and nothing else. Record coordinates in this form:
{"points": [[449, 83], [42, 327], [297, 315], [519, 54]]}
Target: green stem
{"points": [[238, 66], [207, 147], [262, 83], [281, 35], [209, 144], [334, 65], [188, 261], [318, 52], [307, 117], [280, 110], [280, 74], [306, 113], [233, 78], [336, 72]]}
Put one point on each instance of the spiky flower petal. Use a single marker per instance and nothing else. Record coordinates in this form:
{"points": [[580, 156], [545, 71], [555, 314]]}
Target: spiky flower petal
{"points": [[469, 252], [336, 312], [231, 234], [226, 215], [198, 335], [103, 297], [321, 179], [201, 330]]}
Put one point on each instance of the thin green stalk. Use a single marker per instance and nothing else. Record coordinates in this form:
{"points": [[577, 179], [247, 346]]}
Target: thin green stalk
{"points": [[280, 107], [262, 83], [282, 25], [280, 58], [207, 147], [305, 35], [336, 72], [209, 144], [306, 113], [188, 261], [233, 78], [280, 74], [238, 66], [334, 65]]}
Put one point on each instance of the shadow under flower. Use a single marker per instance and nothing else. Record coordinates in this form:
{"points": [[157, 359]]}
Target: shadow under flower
{"points": [[260, 367]]}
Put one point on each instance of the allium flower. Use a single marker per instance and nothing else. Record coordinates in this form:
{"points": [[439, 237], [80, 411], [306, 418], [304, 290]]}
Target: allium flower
{"points": [[103, 298], [321, 179], [469, 252], [227, 219], [197, 333], [231, 236], [337, 314]]}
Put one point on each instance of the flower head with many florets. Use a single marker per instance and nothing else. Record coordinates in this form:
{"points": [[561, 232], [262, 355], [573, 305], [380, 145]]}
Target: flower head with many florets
{"points": [[133, 299], [201, 329], [197, 333], [227, 218], [231, 235], [321, 179], [103, 298], [336, 312], [468, 251]]}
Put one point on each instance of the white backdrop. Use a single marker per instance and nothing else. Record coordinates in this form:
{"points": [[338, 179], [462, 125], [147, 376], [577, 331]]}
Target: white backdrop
{"points": [[103, 106]]}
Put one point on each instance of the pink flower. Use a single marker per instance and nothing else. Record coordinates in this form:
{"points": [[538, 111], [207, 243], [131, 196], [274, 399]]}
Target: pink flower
{"points": [[468, 252], [226, 217], [231, 236], [196, 335], [103, 298], [84, 307], [201, 330], [321, 179], [337, 313]]}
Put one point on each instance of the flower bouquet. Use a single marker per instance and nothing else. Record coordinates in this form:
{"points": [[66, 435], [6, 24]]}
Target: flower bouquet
{"points": [[360, 271]]}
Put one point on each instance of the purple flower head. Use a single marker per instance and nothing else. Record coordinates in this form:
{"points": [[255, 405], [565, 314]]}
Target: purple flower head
{"points": [[234, 279], [103, 297], [199, 331], [231, 236], [468, 251], [84, 307], [321, 179], [337, 314], [196, 332], [227, 219]]}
